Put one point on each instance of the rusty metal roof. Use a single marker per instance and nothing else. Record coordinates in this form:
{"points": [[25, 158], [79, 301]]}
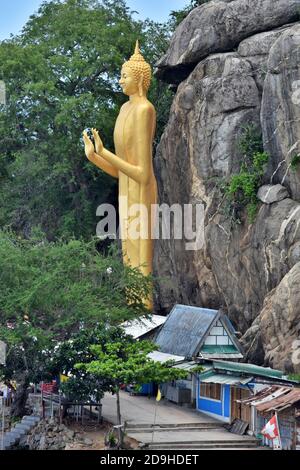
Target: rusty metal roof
{"points": [[273, 398], [283, 401]]}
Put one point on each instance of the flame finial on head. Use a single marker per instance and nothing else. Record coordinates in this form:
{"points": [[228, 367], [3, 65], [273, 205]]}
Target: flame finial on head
{"points": [[137, 56]]}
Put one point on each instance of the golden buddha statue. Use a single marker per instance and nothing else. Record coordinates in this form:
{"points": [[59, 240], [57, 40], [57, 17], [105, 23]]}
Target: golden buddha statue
{"points": [[132, 164]]}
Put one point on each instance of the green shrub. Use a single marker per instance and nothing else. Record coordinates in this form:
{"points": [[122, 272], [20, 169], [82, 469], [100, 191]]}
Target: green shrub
{"points": [[295, 162], [241, 190]]}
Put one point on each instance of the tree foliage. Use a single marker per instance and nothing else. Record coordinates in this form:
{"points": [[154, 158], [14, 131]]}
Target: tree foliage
{"points": [[61, 75], [126, 362], [241, 190], [82, 385], [49, 290], [58, 285]]}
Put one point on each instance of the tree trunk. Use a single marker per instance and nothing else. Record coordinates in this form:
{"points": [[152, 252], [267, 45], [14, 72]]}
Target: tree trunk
{"points": [[20, 399], [119, 417], [119, 408]]}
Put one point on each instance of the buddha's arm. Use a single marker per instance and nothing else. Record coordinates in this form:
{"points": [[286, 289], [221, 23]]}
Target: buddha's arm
{"points": [[143, 129], [133, 171], [101, 163]]}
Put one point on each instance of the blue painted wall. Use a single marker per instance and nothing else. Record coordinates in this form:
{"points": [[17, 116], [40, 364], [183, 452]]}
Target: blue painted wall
{"points": [[217, 407], [226, 393]]}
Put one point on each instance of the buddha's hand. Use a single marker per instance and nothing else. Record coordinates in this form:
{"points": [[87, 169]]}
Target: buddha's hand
{"points": [[88, 146], [98, 142]]}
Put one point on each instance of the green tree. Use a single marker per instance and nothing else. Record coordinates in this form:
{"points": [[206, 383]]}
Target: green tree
{"points": [[81, 385], [49, 290], [61, 75], [127, 362]]}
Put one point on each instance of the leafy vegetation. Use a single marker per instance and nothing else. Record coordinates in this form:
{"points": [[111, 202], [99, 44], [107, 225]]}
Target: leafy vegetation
{"points": [[241, 190], [295, 377], [60, 284], [295, 162], [49, 290], [81, 385], [60, 300], [127, 362], [61, 76]]}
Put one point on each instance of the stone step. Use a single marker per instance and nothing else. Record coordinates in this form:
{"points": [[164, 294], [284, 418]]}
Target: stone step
{"points": [[7, 445], [26, 426], [9, 439], [31, 419], [202, 445], [175, 426], [155, 429], [16, 436]]}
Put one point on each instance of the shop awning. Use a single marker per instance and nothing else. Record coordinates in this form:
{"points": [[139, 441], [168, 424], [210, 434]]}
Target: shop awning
{"points": [[226, 379]]}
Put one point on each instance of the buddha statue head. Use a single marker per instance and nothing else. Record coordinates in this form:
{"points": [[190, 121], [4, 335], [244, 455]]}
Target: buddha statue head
{"points": [[136, 74]]}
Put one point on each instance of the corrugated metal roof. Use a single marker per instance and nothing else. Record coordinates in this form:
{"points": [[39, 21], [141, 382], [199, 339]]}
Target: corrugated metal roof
{"points": [[260, 396], [159, 356], [226, 379], [187, 365], [184, 330], [285, 400], [248, 369], [143, 325]]}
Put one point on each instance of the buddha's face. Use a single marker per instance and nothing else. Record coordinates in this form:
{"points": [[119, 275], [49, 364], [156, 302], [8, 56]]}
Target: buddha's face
{"points": [[128, 82]]}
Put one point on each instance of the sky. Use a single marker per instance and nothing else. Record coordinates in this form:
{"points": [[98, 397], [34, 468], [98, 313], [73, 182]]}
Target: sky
{"points": [[15, 13]]}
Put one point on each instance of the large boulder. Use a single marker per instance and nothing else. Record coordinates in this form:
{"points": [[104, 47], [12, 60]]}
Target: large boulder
{"points": [[280, 113], [219, 26], [237, 266], [276, 331], [272, 193], [256, 50], [198, 146], [242, 266], [248, 261]]}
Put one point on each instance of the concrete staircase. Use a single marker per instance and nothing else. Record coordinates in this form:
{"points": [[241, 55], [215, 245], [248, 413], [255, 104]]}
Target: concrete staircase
{"points": [[138, 428], [12, 438], [188, 436]]}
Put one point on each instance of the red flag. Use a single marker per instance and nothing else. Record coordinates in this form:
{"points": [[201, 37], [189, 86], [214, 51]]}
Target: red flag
{"points": [[271, 430]]}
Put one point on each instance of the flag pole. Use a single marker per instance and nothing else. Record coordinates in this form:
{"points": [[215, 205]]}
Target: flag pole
{"points": [[279, 435], [158, 398]]}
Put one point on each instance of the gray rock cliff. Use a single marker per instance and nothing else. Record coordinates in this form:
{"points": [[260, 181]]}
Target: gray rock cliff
{"points": [[236, 63]]}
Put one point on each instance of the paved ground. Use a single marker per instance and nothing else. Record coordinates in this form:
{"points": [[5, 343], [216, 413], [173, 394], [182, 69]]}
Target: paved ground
{"points": [[142, 410], [195, 430]]}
